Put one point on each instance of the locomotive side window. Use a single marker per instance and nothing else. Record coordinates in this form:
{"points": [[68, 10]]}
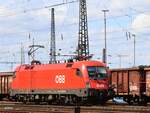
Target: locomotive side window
{"points": [[78, 72], [96, 72]]}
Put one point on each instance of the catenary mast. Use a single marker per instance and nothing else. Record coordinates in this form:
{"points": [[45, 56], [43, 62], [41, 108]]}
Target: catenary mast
{"points": [[83, 41], [52, 43]]}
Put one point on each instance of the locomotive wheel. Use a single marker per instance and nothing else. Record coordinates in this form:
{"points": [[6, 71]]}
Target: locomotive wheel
{"points": [[24, 100], [37, 101]]}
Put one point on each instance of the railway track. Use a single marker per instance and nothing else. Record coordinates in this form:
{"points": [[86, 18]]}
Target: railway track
{"points": [[21, 108]]}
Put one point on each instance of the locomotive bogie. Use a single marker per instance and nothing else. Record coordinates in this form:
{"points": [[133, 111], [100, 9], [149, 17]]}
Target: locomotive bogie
{"points": [[73, 97]]}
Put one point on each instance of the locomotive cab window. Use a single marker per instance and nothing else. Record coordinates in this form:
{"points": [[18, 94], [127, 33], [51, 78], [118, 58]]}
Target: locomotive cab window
{"points": [[97, 72], [78, 72]]}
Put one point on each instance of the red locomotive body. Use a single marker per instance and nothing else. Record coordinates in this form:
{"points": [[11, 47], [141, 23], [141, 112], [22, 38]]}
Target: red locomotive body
{"points": [[63, 82]]}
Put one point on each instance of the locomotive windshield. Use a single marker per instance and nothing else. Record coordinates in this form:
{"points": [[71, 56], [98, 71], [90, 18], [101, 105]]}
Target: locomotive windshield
{"points": [[96, 72]]}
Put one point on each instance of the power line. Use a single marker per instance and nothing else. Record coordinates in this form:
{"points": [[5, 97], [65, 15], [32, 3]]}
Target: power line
{"points": [[64, 3], [39, 8], [43, 30], [114, 18]]}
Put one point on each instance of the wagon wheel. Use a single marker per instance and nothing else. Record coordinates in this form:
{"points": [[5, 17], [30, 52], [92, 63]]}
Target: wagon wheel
{"points": [[143, 101], [136, 99], [129, 101]]}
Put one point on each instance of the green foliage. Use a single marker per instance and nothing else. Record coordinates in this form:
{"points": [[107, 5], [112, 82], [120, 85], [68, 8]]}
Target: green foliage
{"points": [[144, 66]]}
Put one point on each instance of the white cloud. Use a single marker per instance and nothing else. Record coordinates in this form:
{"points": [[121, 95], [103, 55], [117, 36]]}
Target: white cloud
{"points": [[44, 15], [118, 4], [141, 3], [141, 23], [123, 4], [4, 11], [65, 16]]}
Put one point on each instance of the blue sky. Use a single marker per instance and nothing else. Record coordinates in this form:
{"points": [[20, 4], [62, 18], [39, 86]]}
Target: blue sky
{"points": [[18, 18]]}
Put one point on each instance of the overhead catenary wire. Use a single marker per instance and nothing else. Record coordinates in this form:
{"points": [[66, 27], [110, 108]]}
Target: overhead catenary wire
{"points": [[68, 2], [95, 20], [43, 30], [39, 8], [113, 17]]}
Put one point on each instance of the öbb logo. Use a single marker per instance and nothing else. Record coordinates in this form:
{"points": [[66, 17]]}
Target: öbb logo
{"points": [[60, 79]]}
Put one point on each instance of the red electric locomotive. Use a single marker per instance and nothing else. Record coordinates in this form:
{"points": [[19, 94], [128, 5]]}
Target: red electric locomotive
{"points": [[72, 82]]}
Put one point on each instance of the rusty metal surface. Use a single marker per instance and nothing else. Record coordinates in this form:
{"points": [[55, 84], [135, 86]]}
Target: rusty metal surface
{"points": [[122, 82], [148, 82], [5, 80], [127, 81], [114, 81], [134, 82]]}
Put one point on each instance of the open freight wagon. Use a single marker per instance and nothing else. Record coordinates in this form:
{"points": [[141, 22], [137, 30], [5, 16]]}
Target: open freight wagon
{"points": [[133, 84], [5, 81]]}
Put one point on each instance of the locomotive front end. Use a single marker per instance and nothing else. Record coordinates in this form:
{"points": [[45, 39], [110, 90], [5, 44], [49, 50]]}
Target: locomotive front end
{"points": [[98, 85]]}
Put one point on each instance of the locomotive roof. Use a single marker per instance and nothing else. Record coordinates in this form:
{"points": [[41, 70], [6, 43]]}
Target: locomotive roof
{"points": [[76, 64]]}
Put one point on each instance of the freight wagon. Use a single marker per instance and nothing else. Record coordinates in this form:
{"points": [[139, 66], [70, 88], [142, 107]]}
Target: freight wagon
{"points": [[133, 84], [5, 81]]}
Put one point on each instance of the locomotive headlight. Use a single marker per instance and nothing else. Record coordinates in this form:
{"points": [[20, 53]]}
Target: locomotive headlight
{"points": [[87, 84]]}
